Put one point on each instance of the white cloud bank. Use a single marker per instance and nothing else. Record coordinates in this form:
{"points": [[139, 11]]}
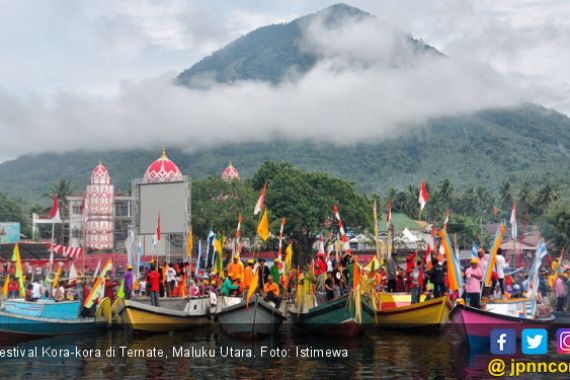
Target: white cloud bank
{"points": [[368, 85]]}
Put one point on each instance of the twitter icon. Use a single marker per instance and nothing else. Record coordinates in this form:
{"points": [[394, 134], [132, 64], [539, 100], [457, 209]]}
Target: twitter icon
{"points": [[534, 341]]}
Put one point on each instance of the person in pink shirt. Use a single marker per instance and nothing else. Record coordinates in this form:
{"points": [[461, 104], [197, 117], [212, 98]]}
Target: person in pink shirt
{"points": [[560, 292], [474, 275]]}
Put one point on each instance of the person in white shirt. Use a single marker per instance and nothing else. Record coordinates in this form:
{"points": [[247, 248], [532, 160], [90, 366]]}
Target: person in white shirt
{"points": [[500, 264], [37, 291], [170, 279]]}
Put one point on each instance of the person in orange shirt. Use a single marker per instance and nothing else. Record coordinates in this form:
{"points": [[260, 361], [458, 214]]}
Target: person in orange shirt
{"points": [[271, 292], [235, 269], [248, 275]]}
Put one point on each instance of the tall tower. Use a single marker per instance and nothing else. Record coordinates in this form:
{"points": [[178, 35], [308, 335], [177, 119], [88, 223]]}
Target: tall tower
{"points": [[99, 201]]}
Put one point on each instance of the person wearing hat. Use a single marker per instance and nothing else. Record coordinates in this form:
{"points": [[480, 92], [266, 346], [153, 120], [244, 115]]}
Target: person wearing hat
{"points": [[474, 275], [263, 271], [128, 282], [248, 275], [274, 272], [235, 268]]}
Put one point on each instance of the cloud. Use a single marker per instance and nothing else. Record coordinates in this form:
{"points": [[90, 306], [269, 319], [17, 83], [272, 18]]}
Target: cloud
{"points": [[369, 84]]}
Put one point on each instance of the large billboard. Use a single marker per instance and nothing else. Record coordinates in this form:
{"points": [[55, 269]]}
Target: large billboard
{"points": [[9, 233], [171, 199]]}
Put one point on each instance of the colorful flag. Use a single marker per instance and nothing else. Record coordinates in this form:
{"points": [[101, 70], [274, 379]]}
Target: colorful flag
{"points": [[513, 222], [156, 237], [389, 213], [19, 272], [280, 246], [98, 287], [423, 198], [56, 278], [189, 244], [252, 287], [96, 273], [453, 267], [474, 250], [199, 258], [490, 265], [263, 227], [6, 285], [260, 201], [72, 272], [356, 275], [288, 258], [238, 229], [54, 212], [446, 220]]}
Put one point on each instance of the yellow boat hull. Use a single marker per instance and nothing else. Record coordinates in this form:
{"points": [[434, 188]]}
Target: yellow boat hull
{"points": [[392, 300], [145, 318], [432, 313]]}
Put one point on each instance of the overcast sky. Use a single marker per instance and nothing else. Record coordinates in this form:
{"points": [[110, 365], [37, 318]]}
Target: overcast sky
{"points": [[66, 63]]}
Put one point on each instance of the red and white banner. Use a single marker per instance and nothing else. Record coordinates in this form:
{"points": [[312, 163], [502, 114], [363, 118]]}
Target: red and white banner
{"points": [[280, 247], [389, 213], [70, 252], [341, 228]]}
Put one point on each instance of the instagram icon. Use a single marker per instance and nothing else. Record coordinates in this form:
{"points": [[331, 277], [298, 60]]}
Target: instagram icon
{"points": [[563, 341]]}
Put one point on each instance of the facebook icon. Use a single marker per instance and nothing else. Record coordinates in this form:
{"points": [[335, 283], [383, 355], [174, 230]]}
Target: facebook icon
{"points": [[503, 341]]}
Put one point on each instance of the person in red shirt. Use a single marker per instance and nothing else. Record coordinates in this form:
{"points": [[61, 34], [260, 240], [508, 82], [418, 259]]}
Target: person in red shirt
{"points": [[154, 280], [110, 288]]}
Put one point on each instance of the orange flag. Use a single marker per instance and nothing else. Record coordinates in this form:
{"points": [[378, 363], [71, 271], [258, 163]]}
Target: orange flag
{"points": [[252, 287], [356, 274]]}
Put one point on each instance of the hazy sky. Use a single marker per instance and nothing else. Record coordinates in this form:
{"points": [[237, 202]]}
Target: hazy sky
{"points": [[73, 70]]}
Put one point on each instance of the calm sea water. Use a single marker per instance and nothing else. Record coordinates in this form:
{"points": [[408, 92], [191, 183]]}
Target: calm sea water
{"points": [[378, 354]]}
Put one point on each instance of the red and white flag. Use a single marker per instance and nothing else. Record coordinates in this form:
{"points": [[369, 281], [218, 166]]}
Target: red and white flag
{"points": [[238, 229], [156, 237], [513, 222], [446, 220], [423, 198], [280, 250], [259, 204], [389, 213], [54, 212], [340, 225]]}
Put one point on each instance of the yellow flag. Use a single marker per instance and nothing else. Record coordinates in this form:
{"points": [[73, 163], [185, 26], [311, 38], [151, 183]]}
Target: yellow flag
{"points": [[6, 283], [56, 278], [252, 287], [189, 243], [19, 272], [263, 227], [288, 258], [218, 245]]}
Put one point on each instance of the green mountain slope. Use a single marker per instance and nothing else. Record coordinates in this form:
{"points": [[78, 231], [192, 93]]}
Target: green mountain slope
{"points": [[528, 143]]}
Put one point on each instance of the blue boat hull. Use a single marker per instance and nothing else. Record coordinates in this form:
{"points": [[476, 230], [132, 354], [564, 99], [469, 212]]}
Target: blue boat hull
{"points": [[43, 308], [12, 324]]}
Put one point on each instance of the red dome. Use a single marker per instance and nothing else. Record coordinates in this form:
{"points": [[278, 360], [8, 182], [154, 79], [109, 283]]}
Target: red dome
{"points": [[162, 170], [230, 173], [100, 174]]}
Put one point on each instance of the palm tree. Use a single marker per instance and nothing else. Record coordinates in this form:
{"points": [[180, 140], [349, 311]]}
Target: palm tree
{"points": [[548, 194], [446, 194], [506, 195], [525, 196]]}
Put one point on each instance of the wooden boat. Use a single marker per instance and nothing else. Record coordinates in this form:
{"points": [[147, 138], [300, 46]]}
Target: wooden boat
{"points": [[19, 327], [335, 318], [142, 317], [43, 308], [426, 316], [392, 300], [476, 324], [259, 318]]}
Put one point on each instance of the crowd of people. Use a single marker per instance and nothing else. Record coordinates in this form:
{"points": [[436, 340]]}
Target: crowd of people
{"points": [[423, 276]]}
